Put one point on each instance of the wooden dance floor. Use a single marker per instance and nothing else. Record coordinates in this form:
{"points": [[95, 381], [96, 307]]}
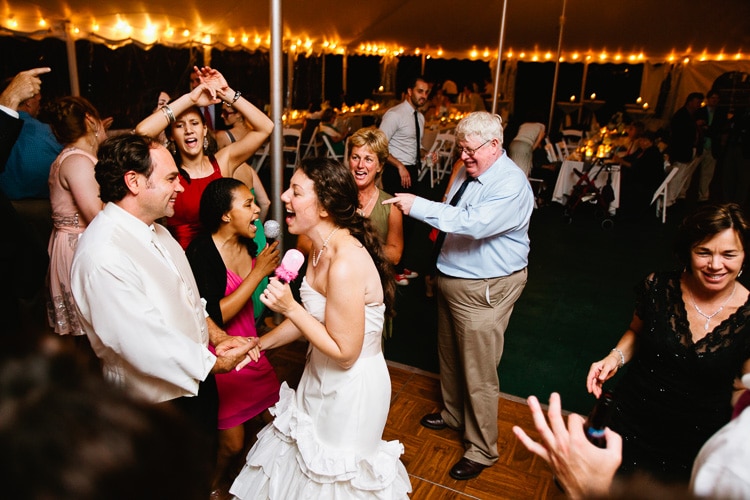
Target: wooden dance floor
{"points": [[430, 454]]}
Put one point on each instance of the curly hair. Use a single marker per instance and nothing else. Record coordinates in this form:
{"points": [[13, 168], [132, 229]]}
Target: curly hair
{"points": [[337, 193], [481, 125], [118, 155], [67, 118], [705, 222]]}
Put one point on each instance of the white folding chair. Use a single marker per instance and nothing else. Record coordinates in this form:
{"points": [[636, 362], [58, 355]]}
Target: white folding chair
{"points": [[427, 164], [550, 149], [291, 147], [312, 148], [562, 150], [661, 194], [572, 138], [330, 152], [446, 154], [260, 156]]}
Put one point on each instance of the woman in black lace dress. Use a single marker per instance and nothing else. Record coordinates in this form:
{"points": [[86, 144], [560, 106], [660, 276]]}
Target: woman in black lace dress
{"points": [[687, 344]]}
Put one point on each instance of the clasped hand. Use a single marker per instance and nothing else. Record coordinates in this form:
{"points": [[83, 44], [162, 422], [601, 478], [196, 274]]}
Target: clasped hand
{"points": [[212, 88], [236, 352]]}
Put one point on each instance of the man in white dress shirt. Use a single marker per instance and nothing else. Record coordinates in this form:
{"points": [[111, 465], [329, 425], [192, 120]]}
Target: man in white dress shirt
{"points": [[138, 300]]}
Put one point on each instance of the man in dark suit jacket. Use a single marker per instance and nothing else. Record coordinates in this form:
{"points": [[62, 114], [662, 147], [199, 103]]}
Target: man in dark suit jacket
{"points": [[712, 126], [23, 259], [682, 146]]}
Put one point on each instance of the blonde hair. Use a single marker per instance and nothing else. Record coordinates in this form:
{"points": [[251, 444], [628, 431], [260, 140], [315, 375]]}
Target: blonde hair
{"points": [[374, 139]]}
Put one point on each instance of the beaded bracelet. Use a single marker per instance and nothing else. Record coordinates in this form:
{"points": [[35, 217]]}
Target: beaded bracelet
{"points": [[237, 95], [168, 114], [622, 356]]}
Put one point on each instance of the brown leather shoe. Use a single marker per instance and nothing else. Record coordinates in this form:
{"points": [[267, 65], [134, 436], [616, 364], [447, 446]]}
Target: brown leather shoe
{"points": [[466, 469], [433, 421]]}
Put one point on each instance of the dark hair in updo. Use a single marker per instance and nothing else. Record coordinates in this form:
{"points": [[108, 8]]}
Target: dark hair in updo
{"points": [[706, 221], [118, 155], [216, 200], [337, 193], [211, 150], [67, 118]]}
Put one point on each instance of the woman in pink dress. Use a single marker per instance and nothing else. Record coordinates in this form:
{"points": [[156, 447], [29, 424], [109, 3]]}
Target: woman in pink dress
{"points": [[227, 272], [74, 196], [185, 126]]}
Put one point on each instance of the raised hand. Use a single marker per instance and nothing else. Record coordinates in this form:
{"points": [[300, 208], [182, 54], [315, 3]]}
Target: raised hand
{"points": [[24, 85], [214, 80]]}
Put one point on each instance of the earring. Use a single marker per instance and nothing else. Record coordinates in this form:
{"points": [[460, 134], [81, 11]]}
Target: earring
{"points": [[205, 142], [740, 273]]}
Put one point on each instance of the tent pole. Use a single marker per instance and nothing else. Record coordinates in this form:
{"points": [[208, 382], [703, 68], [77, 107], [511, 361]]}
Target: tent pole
{"points": [[70, 47], [344, 70], [583, 88], [290, 56], [277, 109], [323, 78], [557, 68], [496, 89]]}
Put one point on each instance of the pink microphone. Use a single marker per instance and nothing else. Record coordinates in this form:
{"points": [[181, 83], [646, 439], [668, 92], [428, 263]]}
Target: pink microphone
{"points": [[290, 265]]}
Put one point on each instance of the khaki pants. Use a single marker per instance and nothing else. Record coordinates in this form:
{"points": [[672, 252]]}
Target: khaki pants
{"points": [[472, 317]]}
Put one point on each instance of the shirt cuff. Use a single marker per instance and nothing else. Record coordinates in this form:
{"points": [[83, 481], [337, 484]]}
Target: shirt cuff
{"points": [[8, 111]]}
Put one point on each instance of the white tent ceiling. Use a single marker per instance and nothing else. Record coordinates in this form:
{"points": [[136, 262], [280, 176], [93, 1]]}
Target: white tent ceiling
{"points": [[656, 28]]}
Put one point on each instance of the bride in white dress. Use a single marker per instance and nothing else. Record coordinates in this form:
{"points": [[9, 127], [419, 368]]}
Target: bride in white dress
{"points": [[326, 438]]}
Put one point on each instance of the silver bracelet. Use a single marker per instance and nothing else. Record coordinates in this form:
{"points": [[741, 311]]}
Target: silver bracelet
{"points": [[237, 95], [168, 114], [622, 356]]}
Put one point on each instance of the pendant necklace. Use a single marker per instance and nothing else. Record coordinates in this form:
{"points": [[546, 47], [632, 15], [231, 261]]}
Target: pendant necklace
{"points": [[316, 255], [710, 316], [363, 210]]}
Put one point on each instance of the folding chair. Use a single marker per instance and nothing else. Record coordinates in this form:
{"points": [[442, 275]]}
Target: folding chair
{"points": [[446, 154], [572, 138], [330, 152], [550, 149], [291, 147], [260, 156], [312, 148], [660, 195]]}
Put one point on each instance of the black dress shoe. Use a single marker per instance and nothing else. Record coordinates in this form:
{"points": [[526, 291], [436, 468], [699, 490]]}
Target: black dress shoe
{"points": [[433, 421], [466, 469]]}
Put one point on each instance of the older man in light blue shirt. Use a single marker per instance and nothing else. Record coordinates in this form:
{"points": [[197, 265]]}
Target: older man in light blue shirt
{"points": [[483, 254]]}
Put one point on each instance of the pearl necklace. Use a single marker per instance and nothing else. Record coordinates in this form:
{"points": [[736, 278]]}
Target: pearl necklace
{"points": [[710, 316], [363, 210], [316, 255]]}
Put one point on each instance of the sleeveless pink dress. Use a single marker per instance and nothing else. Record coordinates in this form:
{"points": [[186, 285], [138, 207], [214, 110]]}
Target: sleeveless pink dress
{"points": [[67, 227], [246, 393]]}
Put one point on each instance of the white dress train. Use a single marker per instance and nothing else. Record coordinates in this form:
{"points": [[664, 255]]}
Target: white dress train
{"points": [[326, 438]]}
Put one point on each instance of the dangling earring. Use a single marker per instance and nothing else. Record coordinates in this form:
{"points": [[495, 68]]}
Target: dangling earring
{"points": [[205, 142], [740, 273]]}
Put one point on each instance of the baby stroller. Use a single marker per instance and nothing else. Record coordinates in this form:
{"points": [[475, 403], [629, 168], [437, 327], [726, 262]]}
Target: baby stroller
{"points": [[586, 193]]}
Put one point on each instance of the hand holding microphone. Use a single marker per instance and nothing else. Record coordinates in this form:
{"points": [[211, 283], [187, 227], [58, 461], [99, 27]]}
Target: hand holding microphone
{"points": [[277, 295]]}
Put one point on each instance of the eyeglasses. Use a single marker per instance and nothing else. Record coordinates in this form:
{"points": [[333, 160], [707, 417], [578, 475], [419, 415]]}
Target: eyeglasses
{"points": [[471, 152]]}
